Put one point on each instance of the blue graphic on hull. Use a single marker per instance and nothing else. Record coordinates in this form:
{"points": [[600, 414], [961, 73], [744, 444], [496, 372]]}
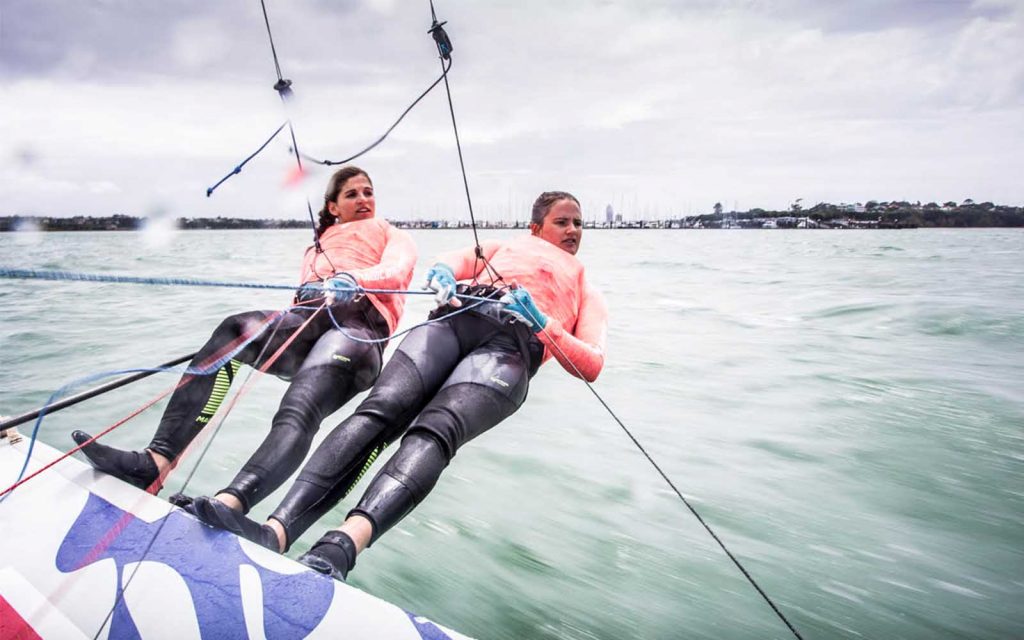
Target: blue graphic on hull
{"points": [[208, 560], [427, 629]]}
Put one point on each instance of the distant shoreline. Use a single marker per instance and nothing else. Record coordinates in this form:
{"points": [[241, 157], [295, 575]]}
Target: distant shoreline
{"points": [[898, 215]]}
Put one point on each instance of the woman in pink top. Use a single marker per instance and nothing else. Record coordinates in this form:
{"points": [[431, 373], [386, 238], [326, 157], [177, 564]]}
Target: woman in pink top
{"points": [[448, 382], [326, 367]]}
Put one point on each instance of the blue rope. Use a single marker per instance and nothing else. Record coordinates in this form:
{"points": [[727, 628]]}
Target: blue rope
{"points": [[479, 302], [238, 169], [41, 274], [59, 393], [220, 362], [37, 274]]}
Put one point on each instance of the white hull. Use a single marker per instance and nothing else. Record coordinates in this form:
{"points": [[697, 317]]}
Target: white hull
{"points": [[73, 539]]}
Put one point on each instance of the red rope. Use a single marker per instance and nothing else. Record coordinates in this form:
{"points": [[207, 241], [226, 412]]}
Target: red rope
{"points": [[90, 440], [222, 415], [182, 382], [116, 528]]}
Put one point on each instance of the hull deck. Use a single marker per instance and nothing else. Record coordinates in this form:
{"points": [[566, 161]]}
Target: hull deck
{"points": [[75, 540]]}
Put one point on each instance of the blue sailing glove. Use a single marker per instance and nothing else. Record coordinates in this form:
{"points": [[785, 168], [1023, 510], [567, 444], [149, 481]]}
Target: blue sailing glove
{"points": [[520, 305], [441, 279], [309, 291], [341, 287]]}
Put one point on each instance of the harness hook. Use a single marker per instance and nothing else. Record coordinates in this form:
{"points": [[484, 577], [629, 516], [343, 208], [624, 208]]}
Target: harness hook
{"points": [[444, 43], [284, 88]]}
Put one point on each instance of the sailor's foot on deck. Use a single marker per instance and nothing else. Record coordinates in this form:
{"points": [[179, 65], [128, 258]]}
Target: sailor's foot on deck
{"points": [[217, 514], [334, 555], [183, 502], [134, 467]]}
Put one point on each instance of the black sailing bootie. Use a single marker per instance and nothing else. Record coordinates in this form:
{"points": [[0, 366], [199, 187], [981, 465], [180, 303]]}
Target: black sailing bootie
{"points": [[134, 467], [217, 514], [333, 555]]}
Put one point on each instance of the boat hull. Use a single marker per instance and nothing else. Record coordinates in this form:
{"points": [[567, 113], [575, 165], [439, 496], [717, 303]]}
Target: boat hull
{"points": [[86, 553]]}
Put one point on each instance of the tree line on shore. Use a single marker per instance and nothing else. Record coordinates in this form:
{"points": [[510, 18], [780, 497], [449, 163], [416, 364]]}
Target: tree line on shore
{"points": [[932, 214], [881, 214]]}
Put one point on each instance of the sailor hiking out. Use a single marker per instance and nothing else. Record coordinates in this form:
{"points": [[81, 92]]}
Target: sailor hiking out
{"points": [[448, 382], [327, 366]]}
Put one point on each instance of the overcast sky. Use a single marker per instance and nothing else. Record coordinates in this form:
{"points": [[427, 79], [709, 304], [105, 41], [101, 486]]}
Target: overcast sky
{"points": [[659, 108]]}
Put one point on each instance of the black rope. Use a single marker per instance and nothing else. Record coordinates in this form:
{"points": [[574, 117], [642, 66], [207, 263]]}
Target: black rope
{"points": [[309, 206], [238, 169], [91, 393], [330, 163], [664, 476], [273, 50], [188, 479], [444, 50], [462, 164], [283, 87]]}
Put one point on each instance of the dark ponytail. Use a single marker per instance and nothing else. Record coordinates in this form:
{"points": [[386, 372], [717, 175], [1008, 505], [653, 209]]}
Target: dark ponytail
{"points": [[334, 187]]}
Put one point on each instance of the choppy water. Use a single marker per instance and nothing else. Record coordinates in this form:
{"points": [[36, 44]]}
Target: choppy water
{"points": [[846, 409]]}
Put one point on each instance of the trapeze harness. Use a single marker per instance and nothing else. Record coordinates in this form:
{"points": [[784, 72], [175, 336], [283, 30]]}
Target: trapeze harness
{"points": [[448, 382]]}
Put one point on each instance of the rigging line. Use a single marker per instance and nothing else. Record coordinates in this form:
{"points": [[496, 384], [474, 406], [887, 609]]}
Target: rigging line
{"points": [[444, 73], [329, 163], [359, 291], [61, 590], [283, 88], [444, 49], [242, 390], [208, 366], [42, 274], [462, 164], [91, 393], [665, 477], [209, 441], [238, 169], [6, 492], [309, 206], [270, 36], [60, 276], [479, 301], [21, 479], [115, 530]]}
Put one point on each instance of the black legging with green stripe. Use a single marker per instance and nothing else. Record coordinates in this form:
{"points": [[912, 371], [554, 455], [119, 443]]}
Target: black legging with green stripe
{"points": [[326, 370]]}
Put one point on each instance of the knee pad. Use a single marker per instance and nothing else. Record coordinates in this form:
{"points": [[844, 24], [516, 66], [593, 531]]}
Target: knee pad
{"points": [[403, 483], [333, 470], [463, 411]]}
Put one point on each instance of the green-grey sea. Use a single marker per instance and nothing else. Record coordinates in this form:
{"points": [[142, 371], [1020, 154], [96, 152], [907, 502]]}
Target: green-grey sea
{"points": [[844, 408]]}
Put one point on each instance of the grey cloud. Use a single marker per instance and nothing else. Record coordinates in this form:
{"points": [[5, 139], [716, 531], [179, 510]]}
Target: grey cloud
{"points": [[651, 101], [875, 15], [123, 40]]}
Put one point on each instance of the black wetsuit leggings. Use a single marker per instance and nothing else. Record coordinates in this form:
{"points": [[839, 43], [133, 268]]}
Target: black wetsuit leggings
{"points": [[447, 383], [326, 370]]}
